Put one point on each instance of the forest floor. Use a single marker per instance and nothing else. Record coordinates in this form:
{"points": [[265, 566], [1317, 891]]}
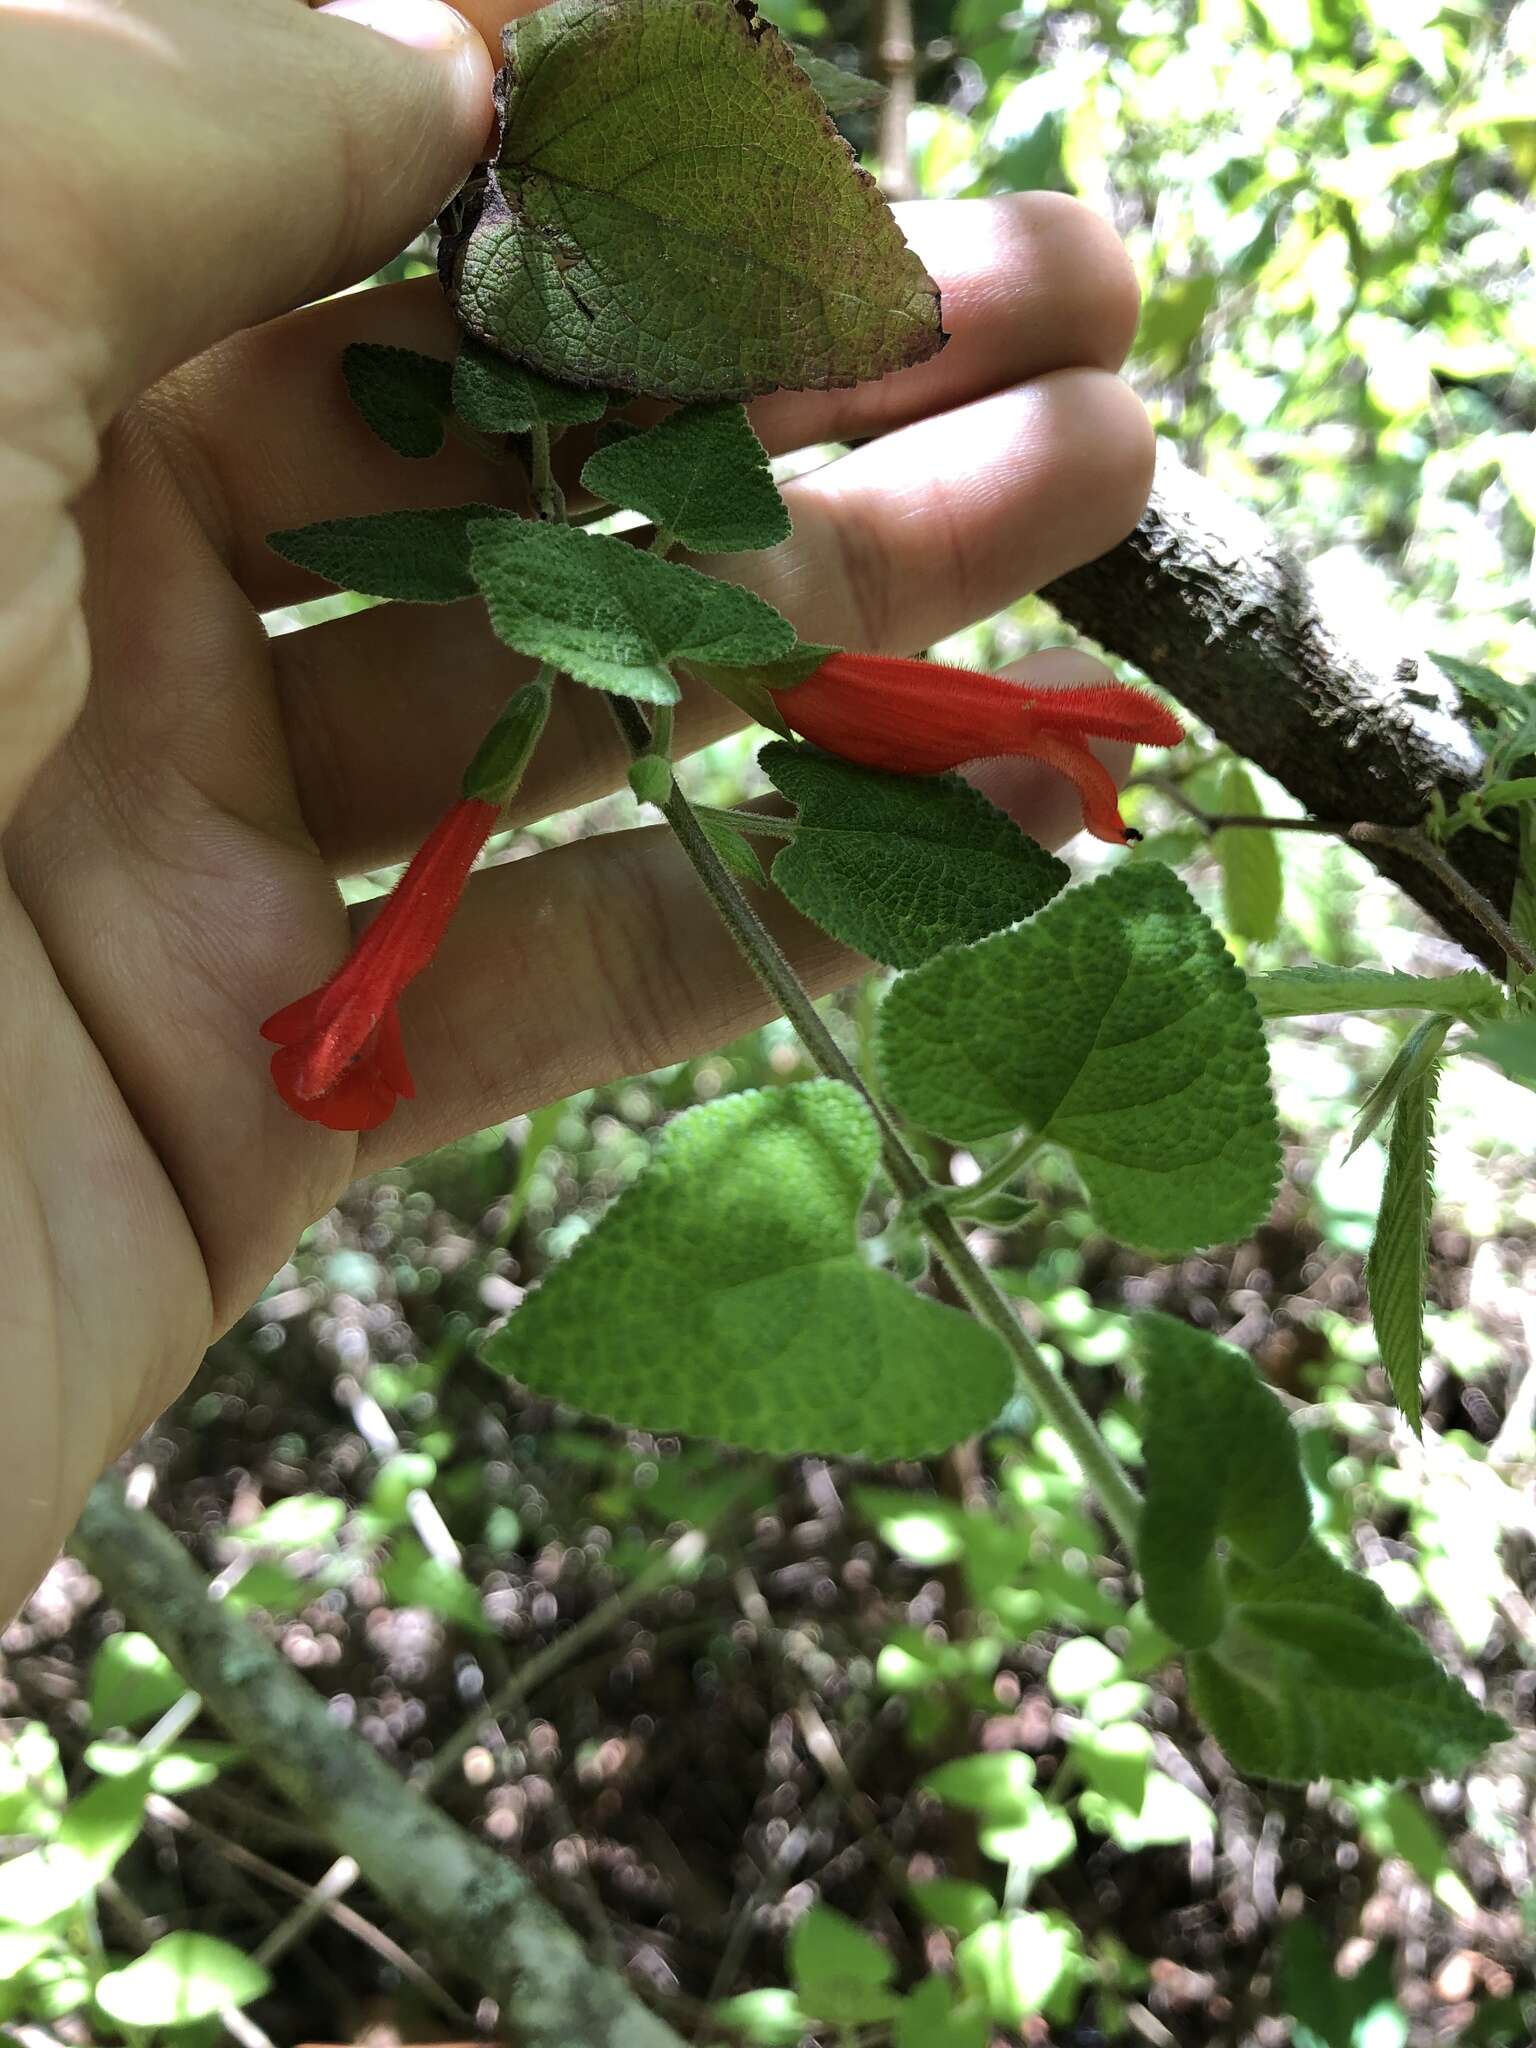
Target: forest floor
{"points": [[686, 1776]]}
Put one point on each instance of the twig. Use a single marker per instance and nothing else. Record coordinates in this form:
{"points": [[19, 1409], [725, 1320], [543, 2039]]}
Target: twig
{"points": [[477, 1908], [1410, 840], [896, 62], [1325, 695], [324, 1897], [1231, 821], [659, 1571]]}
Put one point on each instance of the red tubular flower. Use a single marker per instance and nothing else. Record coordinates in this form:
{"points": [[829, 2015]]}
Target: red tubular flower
{"points": [[341, 1060], [921, 718]]}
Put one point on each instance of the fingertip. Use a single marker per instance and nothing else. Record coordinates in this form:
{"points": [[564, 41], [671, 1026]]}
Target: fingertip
{"points": [[464, 64], [419, 24]]}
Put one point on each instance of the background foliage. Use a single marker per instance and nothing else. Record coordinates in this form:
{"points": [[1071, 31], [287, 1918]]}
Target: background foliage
{"points": [[888, 1733]]}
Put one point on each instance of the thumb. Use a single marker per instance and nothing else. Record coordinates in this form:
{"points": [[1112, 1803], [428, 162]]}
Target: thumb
{"points": [[223, 164]]}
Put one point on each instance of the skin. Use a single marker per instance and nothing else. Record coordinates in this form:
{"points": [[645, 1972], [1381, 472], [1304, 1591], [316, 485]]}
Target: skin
{"points": [[178, 794]]}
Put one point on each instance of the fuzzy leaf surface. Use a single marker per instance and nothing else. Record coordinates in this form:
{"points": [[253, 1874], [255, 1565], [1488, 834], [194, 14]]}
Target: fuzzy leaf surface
{"points": [[702, 474], [671, 211], [1116, 1024], [902, 866], [495, 396], [610, 614], [420, 557], [403, 395], [724, 1296]]}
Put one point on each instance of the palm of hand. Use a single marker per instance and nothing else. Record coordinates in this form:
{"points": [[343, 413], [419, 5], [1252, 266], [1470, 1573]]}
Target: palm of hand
{"points": [[160, 890], [167, 875]]}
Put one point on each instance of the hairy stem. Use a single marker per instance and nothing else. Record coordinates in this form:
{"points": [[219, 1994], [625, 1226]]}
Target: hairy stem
{"points": [[1051, 1395], [764, 824], [1009, 1167], [1408, 839]]}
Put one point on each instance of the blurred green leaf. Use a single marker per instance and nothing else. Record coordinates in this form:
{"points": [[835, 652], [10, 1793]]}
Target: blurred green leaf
{"points": [[132, 1682], [180, 1978], [840, 1973]]}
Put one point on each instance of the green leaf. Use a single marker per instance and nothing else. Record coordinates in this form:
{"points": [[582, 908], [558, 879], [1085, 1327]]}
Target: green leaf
{"points": [[414, 1578], [1396, 1267], [132, 1682], [1522, 904], [1018, 1825], [749, 688], [1221, 1461], [1316, 1676], [300, 1522], [181, 1978], [840, 1973], [777, 1335], [1020, 1965], [1116, 1024], [702, 474], [1326, 991], [420, 557], [1252, 881], [96, 1830], [902, 866], [1082, 1667], [404, 396], [1332, 2011], [497, 397], [611, 615], [953, 1902], [774, 2017], [840, 91], [734, 849], [695, 270], [186, 1767], [1510, 1045], [32, 1783], [931, 2019], [999, 1785], [1418, 1052]]}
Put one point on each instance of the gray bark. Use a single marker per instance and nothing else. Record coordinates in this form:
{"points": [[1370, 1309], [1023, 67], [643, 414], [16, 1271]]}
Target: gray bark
{"points": [[474, 1907], [1328, 696]]}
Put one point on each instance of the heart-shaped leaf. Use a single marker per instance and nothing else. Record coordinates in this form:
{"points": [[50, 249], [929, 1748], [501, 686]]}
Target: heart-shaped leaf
{"points": [[672, 211], [724, 1295], [702, 474], [1114, 1023], [902, 866]]}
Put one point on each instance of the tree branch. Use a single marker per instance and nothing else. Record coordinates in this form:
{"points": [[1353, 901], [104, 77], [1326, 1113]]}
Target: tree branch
{"points": [[474, 1906], [1331, 700]]}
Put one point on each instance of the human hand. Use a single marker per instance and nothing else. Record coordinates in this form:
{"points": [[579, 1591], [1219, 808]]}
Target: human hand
{"points": [[171, 834]]}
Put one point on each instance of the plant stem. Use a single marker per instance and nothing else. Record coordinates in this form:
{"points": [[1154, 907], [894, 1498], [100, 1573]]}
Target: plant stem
{"points": [[1009, 1167], [763, 823], [1408, 839], [1050, 1394], [548, 498]]}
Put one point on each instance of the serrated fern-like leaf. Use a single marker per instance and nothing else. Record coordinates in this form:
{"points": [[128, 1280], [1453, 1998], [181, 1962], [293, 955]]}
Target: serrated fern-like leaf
{"points": [[1396, 1267], [1413, 1058]]}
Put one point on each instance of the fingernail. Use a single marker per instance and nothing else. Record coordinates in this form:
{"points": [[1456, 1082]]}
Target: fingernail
{"points": [[421, 24]]}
